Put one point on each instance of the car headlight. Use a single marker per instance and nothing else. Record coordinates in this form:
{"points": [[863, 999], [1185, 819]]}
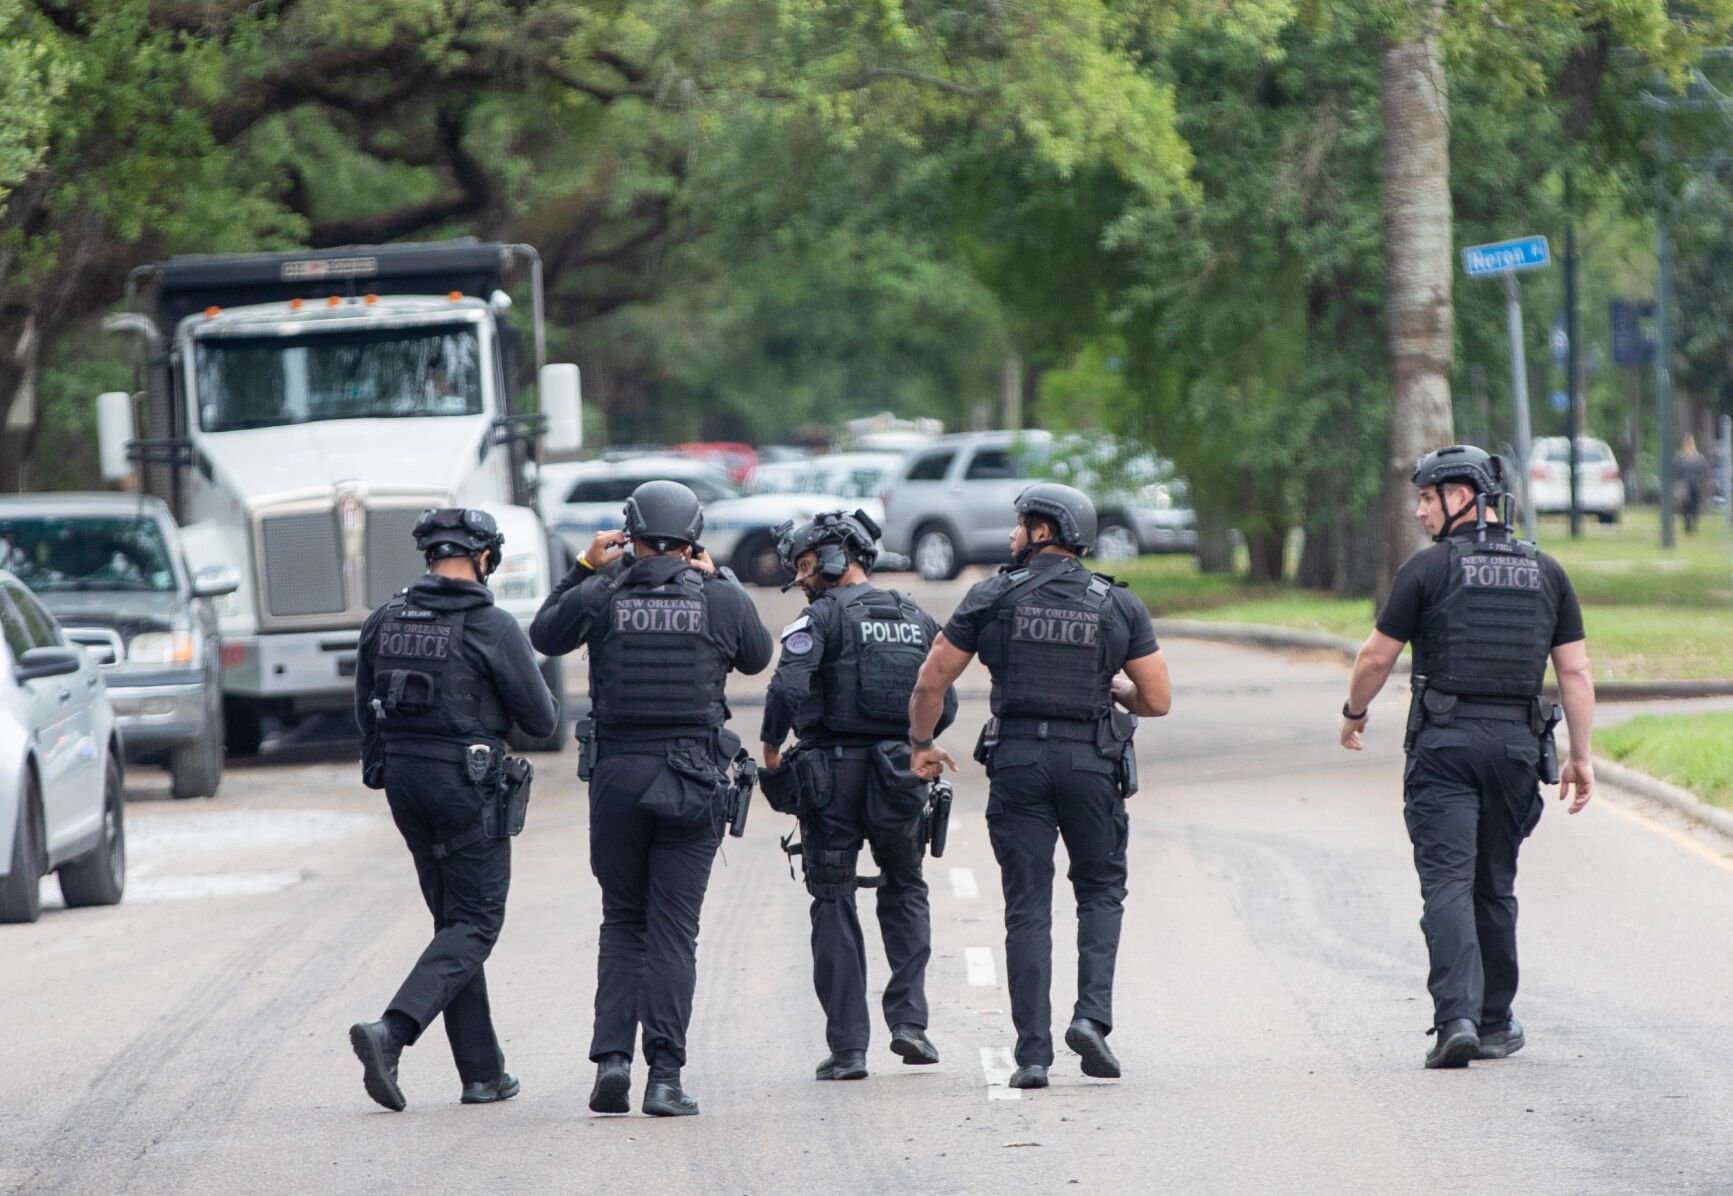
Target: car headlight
{"points": [[518, 577], [160, 647]]}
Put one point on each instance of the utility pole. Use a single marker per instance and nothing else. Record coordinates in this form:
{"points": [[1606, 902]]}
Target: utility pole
{"points": [[1573, 428], [1664, 370], [1519, 389]]}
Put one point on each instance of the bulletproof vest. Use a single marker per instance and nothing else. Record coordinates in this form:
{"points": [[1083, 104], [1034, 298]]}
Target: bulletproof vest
{"points": [[656, 663], [882, 642], [1497, 625], [1052, 646], [422, 685]]}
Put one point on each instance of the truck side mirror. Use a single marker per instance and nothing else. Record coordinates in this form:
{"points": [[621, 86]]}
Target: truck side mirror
{"points": [[113, 432], [561, 394], [213, 581]]}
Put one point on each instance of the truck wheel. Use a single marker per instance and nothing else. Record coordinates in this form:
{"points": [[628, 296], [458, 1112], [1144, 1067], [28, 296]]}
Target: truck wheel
{"points": [[196, 768], [936, 555], [243, 732], [99, 877], [554, 673], [21, 888], [756, 561], [1116, 542]]}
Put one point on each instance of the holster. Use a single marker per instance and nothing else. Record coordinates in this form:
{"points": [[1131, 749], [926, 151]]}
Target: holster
{"points": [[1114, 740], [938, 816], [1416, 711], [1546, 718], [586, 736], [513, 800], [988, 740]]}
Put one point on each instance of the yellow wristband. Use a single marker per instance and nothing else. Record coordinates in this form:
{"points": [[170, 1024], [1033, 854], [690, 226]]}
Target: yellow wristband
{"points": [[586, 564]]}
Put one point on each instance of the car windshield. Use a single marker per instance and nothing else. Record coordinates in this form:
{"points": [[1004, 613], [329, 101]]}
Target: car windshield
{"points": [[51, 553], [261, 382]]}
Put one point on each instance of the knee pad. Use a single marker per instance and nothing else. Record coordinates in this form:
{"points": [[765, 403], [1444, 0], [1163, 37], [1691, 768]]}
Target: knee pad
{"points": [[830, 874]]}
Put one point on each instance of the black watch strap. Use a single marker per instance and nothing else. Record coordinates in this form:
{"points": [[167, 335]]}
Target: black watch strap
{"points": [[1351, 716], [921, 745]]}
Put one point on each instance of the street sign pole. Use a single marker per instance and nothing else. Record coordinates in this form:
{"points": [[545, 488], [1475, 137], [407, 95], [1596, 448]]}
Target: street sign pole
{"points": [[1664, 372], [1519, 392], [1573, 425]]}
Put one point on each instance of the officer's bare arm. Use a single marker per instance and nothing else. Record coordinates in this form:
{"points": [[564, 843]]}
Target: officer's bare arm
{"points": [[1145, 690], [944, 664], [1576, 691], [1371, 669]]}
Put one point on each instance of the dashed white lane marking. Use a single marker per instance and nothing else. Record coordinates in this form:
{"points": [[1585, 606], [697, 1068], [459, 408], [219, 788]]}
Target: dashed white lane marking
{"points": [[963, 883], [997, 1065], [979, 961]]}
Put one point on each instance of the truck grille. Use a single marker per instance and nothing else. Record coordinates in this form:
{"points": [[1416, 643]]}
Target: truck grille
{"points": [[392, 561], [303, 562]]}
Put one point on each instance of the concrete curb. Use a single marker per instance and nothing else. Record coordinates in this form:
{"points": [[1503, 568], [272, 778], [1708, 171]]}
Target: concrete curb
{"points": [[1668, 794], [1263, 635]]}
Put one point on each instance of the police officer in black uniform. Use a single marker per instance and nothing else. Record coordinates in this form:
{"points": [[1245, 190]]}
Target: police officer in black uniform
{"points": [[1055, 638], [843, 682], [441, 673], [663, 631], [1485, 611]]}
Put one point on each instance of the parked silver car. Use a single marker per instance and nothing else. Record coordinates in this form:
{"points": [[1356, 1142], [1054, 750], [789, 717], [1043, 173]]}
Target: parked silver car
{"points": [[61, 807], [111, 569]]}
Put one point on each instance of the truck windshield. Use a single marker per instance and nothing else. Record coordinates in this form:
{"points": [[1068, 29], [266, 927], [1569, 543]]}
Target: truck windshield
{"points": [[261, 382], [51, 553]]}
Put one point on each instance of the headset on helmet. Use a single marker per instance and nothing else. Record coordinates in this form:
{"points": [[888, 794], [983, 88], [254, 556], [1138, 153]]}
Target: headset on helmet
{"points": [[838, 539], [1069, 508], [459, 531], [1464, 465]]}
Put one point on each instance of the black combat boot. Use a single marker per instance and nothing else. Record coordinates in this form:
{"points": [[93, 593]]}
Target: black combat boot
{"points": [[663, 1096], [1500, 1042], [843, 1065], [613, 1084], [1089, 1040], [487, 1092], [379, 1048], [1458, 1042], [911, 1042], [1031, 1076]]}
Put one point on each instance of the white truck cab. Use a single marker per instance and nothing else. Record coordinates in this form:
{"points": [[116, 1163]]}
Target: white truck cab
{"points": [[303, 410]]}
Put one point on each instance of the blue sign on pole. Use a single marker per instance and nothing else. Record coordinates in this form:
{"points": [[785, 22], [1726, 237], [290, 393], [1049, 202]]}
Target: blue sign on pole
{"points": [[1560, 400], [1633, 345], [1502, 257]]}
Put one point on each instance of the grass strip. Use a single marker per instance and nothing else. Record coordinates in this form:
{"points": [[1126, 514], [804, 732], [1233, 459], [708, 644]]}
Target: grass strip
{"points": [[1691, 750]]}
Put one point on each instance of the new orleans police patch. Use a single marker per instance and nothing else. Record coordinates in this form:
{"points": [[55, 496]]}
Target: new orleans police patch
{"points": [[800, 643]]}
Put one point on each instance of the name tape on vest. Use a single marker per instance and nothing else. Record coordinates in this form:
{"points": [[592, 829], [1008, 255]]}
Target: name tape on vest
{"points": [[414, 641], [1500, 573], [1055, 625], [681, 616], [877, 631]]}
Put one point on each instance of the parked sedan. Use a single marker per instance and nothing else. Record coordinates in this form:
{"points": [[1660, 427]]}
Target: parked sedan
{"points": [[61, 806], [1600, 484], [111, 569]]}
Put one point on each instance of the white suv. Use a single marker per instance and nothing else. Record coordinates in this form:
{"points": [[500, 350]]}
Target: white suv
{"points": [[1600, 485]]}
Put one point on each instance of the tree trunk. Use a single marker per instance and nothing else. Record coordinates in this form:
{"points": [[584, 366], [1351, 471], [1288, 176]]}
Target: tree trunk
{"points": [[1265, 552], [1417, 259], [1215, 544]]}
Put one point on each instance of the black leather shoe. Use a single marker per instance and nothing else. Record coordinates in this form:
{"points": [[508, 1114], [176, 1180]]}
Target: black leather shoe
{"points": [[1501, 1043], [843, 1065], [378, 1049], [613, 1084], [1090, 1041], [1032, 1076], [663, 1096], [1458, 1042], [486, 1092], [911, 1042]]}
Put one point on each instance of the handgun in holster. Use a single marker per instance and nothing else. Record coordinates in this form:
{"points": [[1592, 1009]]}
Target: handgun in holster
{"points": [[988, 741], [740, 792], [938, 816], [586, 736], [1545, 719], [1416, 711]]}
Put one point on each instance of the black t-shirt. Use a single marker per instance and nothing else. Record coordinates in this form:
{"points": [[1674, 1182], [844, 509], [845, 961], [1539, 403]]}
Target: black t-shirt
{"points": [[1132, 634], [1417, 595]]}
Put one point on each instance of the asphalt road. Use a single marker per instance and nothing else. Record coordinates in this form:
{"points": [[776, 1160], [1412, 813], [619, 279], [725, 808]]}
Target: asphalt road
{"points": [[1271, 1002]]}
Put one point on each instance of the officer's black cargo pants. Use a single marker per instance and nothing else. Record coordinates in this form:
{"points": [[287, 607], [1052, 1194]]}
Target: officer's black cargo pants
{"points": [[431, 802], [653, 874], [1040, 791], [1471, 797], [838, 946]]}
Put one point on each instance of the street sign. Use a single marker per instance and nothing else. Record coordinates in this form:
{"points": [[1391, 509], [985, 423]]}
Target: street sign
{"points": [[1502, 257], [1560, 400], [1633, 345]]}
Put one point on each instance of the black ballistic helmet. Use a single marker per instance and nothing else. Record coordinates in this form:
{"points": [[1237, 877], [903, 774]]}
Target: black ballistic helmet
{"points": [[663, 511], [1069, 508], [850, 538], [1464, 465], [458, 531]]}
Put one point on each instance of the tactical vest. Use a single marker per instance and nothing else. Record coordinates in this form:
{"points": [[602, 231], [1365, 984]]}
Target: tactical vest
{"points": [[1497, 625], [656, 663], [1052, 647], [422, 686], [882, 642]]}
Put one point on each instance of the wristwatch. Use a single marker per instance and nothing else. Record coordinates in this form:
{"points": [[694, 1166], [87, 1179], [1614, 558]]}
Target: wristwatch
{"points": [[921, 745], [1351, 716]]}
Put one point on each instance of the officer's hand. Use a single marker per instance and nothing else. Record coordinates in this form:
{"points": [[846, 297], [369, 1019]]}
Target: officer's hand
{"points": [[1351, 728], [605, 549], [931, 762], [700, 559], [1579, 774], [772, 755], [1124, 691]]}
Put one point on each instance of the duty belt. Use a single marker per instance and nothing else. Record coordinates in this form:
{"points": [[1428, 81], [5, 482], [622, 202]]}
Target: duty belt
{"points": [[610, 745], [1079, 730], [434, 749], [1504, 712]]}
